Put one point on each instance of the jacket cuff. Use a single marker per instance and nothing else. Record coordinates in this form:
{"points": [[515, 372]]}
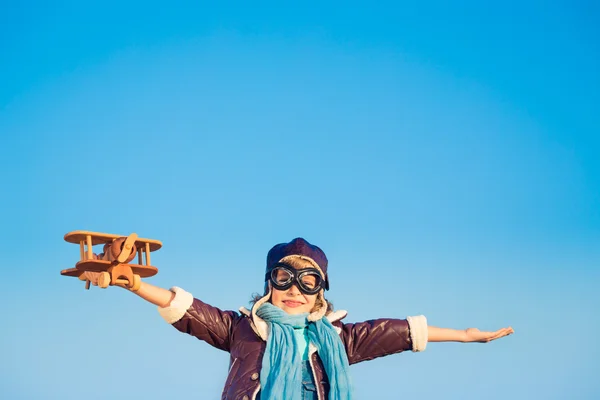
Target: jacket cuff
{"points": [[179, 305], [418, 332]]}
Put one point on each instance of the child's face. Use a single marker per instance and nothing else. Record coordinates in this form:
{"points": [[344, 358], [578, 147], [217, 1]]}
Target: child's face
{"points": [[293, 301]]}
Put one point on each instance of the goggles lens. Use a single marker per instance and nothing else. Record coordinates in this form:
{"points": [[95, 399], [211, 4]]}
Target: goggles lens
{"points": [[309, 280]]}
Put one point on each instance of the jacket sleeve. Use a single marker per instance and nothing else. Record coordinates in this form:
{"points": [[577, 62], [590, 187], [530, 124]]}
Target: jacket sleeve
{"points": [[381, 337], [203, 321]]}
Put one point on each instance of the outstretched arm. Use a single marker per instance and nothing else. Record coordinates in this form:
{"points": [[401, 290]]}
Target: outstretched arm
{"points": [[469, 335], [186, 313], [154, 294]]}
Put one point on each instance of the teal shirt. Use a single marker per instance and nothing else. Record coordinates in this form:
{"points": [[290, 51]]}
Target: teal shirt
{"points": [[302, 338]]}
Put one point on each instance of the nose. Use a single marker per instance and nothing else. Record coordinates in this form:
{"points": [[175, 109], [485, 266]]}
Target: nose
{"points": [[293, 290]]}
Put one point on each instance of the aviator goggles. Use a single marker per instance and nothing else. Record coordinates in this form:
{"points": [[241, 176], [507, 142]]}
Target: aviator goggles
{"points": [[308, 280]]}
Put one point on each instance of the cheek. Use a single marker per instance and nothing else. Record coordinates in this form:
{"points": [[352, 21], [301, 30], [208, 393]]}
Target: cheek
{"points": [[276, 296], [311, 300]]}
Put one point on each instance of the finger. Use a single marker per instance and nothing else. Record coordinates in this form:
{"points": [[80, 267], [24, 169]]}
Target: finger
{"points": [[508, 331], [92, 277], [485, 337], [501, 333]]}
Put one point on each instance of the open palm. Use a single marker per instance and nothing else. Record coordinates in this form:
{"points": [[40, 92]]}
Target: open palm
{"points": [[475, 335]]}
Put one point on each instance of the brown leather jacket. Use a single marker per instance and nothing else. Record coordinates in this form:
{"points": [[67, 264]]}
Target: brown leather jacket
{"points": [[243, 335]]}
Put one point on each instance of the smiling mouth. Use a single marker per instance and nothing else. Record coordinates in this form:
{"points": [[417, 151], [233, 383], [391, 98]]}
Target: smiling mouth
{"points": [[292, 304]]}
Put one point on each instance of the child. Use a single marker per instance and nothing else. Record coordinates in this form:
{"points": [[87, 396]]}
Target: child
{"points": [[291, 344]]}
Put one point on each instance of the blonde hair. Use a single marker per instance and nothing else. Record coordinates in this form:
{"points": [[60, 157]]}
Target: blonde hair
{"points": [[300, 262]]}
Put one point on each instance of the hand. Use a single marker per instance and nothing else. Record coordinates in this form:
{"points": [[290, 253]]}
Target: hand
{"points": [[92, 277], [475, 335]]}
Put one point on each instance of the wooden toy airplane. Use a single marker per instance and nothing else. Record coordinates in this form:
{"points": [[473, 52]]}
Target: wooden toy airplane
{"points": [[114, 262]]}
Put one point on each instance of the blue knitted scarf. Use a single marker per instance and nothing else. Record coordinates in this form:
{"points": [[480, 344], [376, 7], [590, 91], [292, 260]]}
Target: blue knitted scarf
{"points": [[281, 373]]}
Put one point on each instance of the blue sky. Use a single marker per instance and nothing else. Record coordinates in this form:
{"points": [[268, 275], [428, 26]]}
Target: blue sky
{"points": [[444, 157]]}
